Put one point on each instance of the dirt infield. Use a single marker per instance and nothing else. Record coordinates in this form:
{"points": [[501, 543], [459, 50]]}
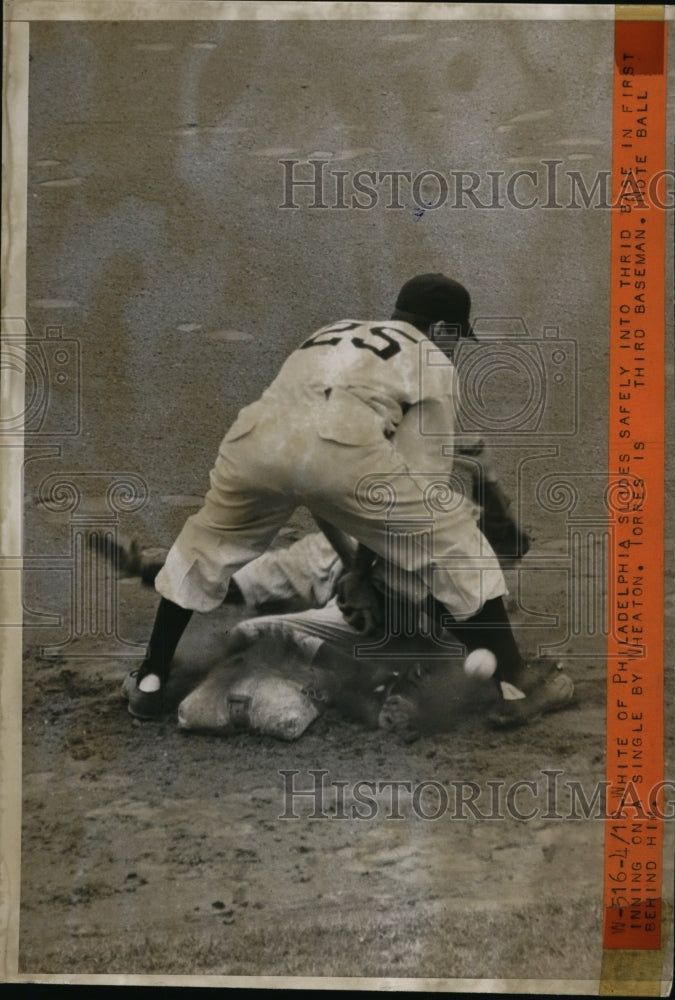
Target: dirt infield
{"points": [[195, 210], [150, 850]]}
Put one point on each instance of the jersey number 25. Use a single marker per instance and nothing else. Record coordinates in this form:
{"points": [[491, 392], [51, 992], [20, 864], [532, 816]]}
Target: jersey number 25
{"points": [[391, 348]]}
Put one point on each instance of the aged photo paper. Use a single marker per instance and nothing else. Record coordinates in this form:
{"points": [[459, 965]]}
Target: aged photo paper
{"points": [[191, 190]]}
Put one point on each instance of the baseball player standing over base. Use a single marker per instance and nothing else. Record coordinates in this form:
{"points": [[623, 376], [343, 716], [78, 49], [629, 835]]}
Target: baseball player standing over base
{"points": [[358, 407]]}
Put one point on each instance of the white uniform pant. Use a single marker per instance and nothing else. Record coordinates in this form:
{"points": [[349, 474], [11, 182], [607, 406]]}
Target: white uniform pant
{"points": [[270, 462]]}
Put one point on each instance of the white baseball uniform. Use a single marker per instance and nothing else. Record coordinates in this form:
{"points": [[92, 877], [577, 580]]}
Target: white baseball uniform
{"points": [[353, 428], [305, 573]]}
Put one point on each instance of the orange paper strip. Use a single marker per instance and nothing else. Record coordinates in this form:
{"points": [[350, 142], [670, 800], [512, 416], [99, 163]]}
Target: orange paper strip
{"points": [[635, 674]]}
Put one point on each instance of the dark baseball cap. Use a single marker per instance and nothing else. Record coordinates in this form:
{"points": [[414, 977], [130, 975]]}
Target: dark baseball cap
{"points": [[435, 297]]}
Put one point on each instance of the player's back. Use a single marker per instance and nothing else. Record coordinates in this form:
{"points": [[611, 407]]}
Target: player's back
{"points": [[354, 380], [382, 357]]}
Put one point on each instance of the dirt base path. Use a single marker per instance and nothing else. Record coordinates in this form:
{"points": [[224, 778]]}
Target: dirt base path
{"points": [[150, 850]]}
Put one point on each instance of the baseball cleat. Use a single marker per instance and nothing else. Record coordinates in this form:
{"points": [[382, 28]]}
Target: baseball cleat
{"points": [[142, 704], [129, 559], [547, 688]]}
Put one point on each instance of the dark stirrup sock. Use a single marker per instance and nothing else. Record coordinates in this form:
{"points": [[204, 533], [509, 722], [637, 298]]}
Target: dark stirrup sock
{"points": [[170, 623], [489, 628]]}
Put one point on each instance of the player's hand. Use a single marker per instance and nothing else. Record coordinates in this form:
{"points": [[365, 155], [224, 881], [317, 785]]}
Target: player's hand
{"points": [[359, 602]]}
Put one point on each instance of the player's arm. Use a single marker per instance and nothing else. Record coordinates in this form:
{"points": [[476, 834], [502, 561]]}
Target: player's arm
{"points": [[345, 546], [362, 564], [419, 439], [356, 558], [424, 429], [357, 599]]}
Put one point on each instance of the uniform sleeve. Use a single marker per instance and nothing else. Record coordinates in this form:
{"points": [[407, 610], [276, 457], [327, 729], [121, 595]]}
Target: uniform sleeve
{"points": [[429, 424], [425, 429]]}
